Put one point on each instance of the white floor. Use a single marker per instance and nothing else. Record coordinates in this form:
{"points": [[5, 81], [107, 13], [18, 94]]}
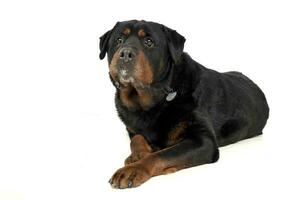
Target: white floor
{"points": [[56, 155]]}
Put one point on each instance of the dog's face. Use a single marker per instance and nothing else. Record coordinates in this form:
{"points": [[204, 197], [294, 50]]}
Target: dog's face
{"points": [[140, 52]]}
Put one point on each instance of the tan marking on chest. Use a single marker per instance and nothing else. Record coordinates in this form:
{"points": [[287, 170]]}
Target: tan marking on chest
{"points": [[145, 99], [128, 97]]}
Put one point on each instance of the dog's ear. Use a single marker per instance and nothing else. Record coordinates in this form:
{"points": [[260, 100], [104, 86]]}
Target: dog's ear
{"points": [[175, 43], [103, 43]]}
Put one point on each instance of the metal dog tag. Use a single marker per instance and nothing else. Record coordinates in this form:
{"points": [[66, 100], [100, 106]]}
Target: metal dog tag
{"points": [[171, 96]]}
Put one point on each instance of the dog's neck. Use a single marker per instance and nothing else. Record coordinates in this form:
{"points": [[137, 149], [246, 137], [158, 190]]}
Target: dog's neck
{"points": [[167, 89]]}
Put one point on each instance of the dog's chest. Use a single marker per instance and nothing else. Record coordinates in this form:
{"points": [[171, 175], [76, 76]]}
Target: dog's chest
{"points": [[160, 133], [145, 127], [133, 98]]}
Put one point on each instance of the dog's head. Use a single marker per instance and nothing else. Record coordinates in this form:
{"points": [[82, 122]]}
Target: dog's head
{"points": [[139, 52]]}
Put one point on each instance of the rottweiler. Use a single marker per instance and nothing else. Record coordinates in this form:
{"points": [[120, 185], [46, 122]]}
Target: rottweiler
{"points": [[176, 111]]}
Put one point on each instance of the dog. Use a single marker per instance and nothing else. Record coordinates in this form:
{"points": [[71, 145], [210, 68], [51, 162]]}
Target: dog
{"points": [[176, 111]]}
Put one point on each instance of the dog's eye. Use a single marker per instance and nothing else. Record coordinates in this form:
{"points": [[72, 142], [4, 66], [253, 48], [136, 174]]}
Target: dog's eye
{"points": [[148, 42], [119, 40]]}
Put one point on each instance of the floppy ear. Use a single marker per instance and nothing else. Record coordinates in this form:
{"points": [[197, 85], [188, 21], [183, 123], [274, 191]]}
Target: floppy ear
{"points": [[175, 43], [103, 44]]}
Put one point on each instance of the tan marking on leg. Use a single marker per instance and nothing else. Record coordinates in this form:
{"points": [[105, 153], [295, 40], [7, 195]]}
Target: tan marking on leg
{"points": [[136, 173], [129, 176], [139, 144], [139, 147], [159, 166]]}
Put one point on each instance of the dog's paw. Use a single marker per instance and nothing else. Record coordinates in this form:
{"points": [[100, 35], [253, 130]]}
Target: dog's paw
{"points": [[134, 157], [129, 176]]}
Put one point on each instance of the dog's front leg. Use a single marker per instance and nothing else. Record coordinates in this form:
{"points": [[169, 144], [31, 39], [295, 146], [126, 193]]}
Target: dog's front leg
{"points": [[199, 147], [139, 148]]}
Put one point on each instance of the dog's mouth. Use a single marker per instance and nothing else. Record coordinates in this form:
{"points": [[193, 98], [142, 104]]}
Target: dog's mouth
{"points": [[135, 71], [125, 77], [129, 77]]}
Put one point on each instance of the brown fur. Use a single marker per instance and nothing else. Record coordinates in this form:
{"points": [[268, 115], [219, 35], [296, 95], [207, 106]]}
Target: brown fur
{"points": [[126, 31], [131, 97], [175, 135], [158, 166], [135, 174], [145, 98], [138, 171], [127, 97], [139, 147], [141, 33], [112, 67], [143, 70]]}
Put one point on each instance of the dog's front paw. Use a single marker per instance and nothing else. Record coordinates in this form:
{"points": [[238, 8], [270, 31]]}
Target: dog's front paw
{"points": [[134, 157], [130, 176]]}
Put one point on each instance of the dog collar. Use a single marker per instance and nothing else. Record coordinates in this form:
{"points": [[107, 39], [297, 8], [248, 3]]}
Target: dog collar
{"points": [[171, 94]]}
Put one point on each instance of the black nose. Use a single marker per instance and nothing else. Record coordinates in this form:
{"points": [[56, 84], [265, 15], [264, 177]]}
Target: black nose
{"points": [[126, 54]]}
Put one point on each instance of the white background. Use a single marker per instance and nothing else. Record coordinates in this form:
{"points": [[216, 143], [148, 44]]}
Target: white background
{"points": [[60, 137]]}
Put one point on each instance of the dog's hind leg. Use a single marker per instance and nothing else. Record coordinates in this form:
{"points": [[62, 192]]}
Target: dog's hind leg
{"points": [[232, 131]]}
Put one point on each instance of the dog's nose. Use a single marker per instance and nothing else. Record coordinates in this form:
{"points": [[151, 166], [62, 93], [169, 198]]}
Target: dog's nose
{"points": [[126, 54]]}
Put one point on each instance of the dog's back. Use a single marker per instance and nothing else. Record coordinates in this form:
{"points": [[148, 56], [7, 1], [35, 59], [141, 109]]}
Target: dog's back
{"points": [[237, 106]]}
